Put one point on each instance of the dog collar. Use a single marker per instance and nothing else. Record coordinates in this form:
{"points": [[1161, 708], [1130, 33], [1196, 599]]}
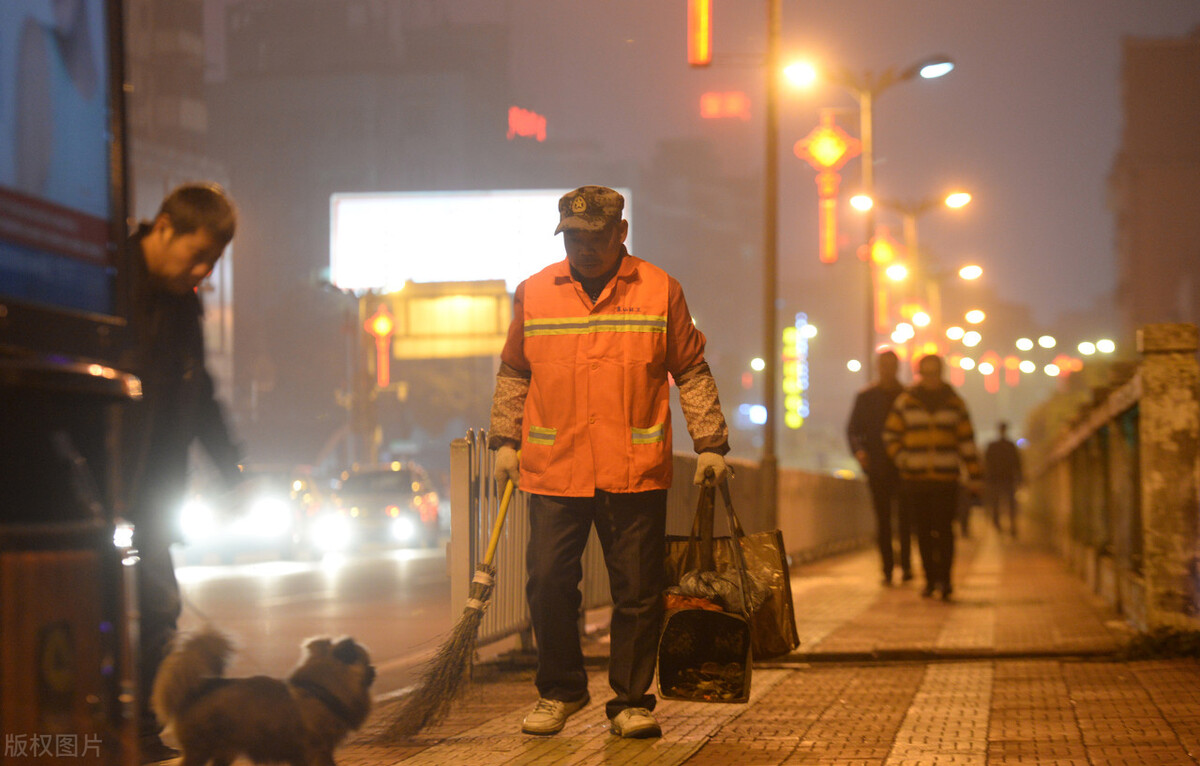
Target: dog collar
{"points": [[327, 699]]}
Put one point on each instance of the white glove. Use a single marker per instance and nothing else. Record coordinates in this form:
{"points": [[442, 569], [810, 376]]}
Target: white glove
{"points": [[508, 466], [705, 461]]}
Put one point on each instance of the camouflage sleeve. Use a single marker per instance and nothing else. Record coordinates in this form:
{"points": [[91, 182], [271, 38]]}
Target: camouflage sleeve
{"points": [[702, 409], [508, 407]]}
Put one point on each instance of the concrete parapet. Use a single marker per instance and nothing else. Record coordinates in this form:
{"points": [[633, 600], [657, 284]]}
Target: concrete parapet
{"points": [[1169, 446]]}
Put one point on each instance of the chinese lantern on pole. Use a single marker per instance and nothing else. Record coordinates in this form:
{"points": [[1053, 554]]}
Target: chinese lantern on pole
{"points": [[827, 148], [380, 326]]}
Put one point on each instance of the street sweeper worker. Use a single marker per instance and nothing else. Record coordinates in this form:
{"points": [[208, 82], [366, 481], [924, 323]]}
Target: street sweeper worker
{"points": [[581, 422]]}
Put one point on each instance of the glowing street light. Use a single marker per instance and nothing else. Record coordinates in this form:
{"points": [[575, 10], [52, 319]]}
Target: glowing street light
{"points": [[987, 368], [957, 199], [865, 88], [897, 272], [757, 364], [853, 365], [1024, 344], [1047, 341], [1087, 348], [1027, 366], [966, 363], [1105, 346], [921, 319], [955, 333], [975, 316], [970, 272], [971, 339], [1052, 370]]}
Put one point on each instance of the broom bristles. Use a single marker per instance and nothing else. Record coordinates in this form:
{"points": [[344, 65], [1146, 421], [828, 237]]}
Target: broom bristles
{"points": [[444, 676]]}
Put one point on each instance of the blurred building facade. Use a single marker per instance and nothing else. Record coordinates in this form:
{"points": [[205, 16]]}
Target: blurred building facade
{"points": [[1155, 183], [167, 124]]}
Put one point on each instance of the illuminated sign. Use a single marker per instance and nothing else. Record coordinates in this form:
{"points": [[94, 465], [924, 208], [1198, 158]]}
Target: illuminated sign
{"points": [[720, 105], [522, 122], [795, 372], [380, 241], [699, 32]]}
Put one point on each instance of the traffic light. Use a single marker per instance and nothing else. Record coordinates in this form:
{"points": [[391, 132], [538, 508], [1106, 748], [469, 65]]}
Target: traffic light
{"points": [[699, 32]]}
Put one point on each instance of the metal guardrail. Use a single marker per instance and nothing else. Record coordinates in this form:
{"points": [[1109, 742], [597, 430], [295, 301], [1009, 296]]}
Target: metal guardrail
{"points": [[474, 506]]}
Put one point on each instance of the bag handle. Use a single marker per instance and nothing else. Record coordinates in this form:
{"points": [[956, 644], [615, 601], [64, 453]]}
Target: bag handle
{"points": [[700, 542], [736, 536], [702, 528]]}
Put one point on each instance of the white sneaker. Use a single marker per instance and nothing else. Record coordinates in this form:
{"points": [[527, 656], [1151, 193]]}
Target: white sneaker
{"points": [[549, 716], [636, 723]]}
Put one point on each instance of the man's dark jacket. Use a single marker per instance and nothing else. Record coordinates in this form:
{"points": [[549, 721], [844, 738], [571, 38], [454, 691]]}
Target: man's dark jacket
{"points": [[865, 429], [177, 407]]}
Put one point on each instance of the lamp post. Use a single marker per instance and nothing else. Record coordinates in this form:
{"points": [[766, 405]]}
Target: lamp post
{"points": [[926, 286], [770, 463], [866, 88]]}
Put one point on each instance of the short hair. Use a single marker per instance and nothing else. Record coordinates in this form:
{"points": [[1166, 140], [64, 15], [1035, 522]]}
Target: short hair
{"points": [[888, 352], [194, 206], [928, 357]]}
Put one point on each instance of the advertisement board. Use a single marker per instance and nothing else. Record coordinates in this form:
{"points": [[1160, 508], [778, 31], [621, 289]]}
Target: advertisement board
{"points": [[61, 177], [379, 241]]}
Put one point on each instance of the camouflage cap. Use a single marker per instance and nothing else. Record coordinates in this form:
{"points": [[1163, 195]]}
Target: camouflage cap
{"points": [[589, 208]]}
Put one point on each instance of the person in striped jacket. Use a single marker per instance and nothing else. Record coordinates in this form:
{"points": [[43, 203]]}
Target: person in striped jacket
{"points": [[929, 437]]}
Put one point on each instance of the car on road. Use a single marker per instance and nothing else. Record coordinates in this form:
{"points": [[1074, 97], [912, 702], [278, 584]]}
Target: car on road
{"points": [[394, 504], [268, 515]]}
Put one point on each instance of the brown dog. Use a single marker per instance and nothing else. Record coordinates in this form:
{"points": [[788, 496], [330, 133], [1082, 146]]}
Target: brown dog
{"points": [[298, 721]]}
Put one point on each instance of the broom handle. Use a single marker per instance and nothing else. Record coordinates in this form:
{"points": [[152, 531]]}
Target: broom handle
{"points": [[495, 539]]}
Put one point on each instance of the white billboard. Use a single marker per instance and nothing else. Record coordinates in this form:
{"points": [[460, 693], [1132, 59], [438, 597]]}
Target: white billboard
{"points": [[379, 241]]}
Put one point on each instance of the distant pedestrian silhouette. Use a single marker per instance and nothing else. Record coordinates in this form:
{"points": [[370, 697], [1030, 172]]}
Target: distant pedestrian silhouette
{"points": [[1001, 477]]}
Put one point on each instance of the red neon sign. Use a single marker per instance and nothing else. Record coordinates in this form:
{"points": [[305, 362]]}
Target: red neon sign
{"points": [[718, 105], [525, 123]]}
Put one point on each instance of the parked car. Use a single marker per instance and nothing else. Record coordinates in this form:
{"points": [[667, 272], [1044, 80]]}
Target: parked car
{"points": [[268, 514], [393, 505]]}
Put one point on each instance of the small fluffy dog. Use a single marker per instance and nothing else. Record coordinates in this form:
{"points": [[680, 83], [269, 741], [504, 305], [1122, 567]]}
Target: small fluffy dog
{"points": [[298, 721]]}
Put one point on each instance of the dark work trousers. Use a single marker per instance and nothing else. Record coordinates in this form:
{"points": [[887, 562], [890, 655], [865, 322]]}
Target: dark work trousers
{"points": [[933, 507], [884, 491], [632, 529], [159, 607], [999, 494]]}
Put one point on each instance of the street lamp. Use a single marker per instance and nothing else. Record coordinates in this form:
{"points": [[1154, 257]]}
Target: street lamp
{"points": [[926, 287], [866, 88]]}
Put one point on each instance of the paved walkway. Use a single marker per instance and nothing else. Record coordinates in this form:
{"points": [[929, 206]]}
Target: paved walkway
{"points": [[1018, 669]]}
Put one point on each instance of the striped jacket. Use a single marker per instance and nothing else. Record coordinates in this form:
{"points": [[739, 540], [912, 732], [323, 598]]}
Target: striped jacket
{"points": [[929, 437]]}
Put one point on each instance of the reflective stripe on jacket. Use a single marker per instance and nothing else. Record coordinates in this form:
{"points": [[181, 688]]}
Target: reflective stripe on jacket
{"points": [[597, 415]]}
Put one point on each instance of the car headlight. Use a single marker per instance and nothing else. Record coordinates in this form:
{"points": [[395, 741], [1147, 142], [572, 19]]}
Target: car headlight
{"points": [[268, 517], [331, 532], [404, 529], [197, 520]]}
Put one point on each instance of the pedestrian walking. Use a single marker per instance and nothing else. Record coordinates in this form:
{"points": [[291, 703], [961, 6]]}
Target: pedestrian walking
{"points": [[864, 432], [1001, 477], [582, 392], [928, 435], [170, 257]]}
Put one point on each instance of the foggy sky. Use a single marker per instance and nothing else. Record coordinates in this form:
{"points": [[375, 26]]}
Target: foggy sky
{"points": [[1029, 122]]}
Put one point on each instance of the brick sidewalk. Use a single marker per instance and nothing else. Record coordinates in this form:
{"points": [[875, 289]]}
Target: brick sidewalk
{"points": [[1018, 669]]}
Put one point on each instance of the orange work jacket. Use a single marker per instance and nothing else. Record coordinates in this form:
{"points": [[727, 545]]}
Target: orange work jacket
{"points": [[597, 415]]}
